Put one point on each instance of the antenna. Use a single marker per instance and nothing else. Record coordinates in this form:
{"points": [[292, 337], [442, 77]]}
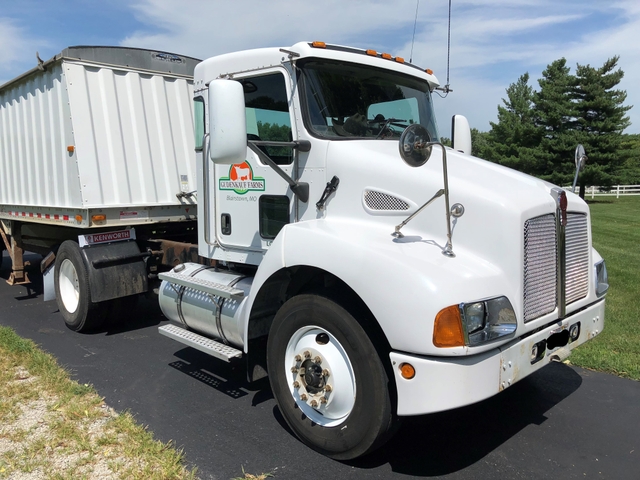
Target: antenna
{"points": [[446, 89], [414, 32]]}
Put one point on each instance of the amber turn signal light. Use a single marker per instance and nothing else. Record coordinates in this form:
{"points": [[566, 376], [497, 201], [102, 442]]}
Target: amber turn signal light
{"points": [[407, 371], [447, 330]]}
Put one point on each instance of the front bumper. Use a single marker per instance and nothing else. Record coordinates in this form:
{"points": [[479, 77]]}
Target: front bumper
{"points": [[444, 383]]}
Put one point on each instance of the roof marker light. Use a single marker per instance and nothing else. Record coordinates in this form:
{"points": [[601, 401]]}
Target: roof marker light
{"points": [[319, 45], [372, 52], [399, 59], [429, 71], [386, 56]]}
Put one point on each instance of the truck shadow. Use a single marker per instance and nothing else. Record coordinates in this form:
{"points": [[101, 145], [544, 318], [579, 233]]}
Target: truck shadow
{"points": [[446, 442], [227, 378]]}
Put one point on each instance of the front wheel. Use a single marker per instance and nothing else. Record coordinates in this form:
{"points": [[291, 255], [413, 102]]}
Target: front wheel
{"points": [[328, 379]]}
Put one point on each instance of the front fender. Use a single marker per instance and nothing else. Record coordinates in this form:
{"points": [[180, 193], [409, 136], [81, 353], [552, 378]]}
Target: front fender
{"points": [[404, 282]]}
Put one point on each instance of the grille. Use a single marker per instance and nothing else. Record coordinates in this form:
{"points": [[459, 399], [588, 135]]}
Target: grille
{"points": [[382, 201], [540, 269], [577, 250]]}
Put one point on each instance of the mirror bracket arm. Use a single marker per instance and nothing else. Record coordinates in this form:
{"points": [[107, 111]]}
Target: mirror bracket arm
{"points": [[301, 189]]}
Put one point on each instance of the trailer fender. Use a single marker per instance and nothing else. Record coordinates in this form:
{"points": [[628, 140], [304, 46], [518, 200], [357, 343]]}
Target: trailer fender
{"points": [[115, 270]]}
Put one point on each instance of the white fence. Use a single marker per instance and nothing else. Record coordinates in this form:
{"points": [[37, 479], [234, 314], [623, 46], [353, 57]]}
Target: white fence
{"points": [[615, 190]]}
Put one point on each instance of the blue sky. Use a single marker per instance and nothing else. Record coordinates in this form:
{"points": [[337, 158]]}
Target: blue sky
{"points": [[493, 41]]}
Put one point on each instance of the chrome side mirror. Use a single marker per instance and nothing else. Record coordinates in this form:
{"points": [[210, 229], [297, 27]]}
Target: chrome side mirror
{"points": [[580, 160], [415, 145]]}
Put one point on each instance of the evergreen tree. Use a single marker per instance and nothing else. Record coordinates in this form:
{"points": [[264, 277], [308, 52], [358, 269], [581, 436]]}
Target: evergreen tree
{"points": [[479, 143], [555, 116], [629, 173], [514, 140], [601, 119]]}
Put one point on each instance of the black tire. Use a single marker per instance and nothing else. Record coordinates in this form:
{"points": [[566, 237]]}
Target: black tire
{"points": [[368, 423], [73, 293]]}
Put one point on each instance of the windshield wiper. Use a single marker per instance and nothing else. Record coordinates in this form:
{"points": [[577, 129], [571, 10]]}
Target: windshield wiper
{"points": [[387, 122]]}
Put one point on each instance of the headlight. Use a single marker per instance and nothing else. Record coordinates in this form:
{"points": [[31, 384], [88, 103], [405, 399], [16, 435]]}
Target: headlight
{"points": [[487, 320], [474, 323], [601, 278]]}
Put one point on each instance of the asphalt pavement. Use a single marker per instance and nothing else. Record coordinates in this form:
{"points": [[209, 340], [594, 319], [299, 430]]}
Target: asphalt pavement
{"points": [[561, 422]]}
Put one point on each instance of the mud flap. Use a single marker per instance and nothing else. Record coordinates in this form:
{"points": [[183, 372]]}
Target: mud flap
{"points": [[115, 270]]}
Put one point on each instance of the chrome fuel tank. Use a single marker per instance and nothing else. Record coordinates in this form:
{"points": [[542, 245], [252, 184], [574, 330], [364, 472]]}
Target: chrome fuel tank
{"points": [[210, 315]]}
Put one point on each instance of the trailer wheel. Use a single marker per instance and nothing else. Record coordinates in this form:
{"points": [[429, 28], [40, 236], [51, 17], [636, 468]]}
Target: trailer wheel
{"points": [[72, 290], [328, 379]]}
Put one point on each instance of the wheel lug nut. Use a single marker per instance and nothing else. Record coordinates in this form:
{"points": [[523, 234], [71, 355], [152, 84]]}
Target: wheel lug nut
{"points": [[318, 360], [303, 397], [328, 388], [298, 358], [294, 370], [323, 400], [296, 384], [325, 372], [307, 354], [314, 403]]}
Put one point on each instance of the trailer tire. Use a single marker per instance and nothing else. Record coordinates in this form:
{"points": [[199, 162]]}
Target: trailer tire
{"points": [[73, 293], [357, 416]]}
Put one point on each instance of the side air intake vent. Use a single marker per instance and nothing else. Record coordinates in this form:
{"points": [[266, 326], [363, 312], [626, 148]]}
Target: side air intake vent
{"points": [[384, 202]]}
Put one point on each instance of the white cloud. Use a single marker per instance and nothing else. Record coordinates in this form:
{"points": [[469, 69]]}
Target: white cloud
{"points": [[18, 49], [210, 28]]}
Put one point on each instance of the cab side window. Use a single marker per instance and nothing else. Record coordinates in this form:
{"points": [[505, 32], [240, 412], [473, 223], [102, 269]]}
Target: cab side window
{"points": [[267, 113]]}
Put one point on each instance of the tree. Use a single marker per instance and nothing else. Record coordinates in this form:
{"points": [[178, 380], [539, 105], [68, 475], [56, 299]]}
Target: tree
{"points": [[601, 119], [514, 140], [629, 172], [479, 143], [555, 116]]}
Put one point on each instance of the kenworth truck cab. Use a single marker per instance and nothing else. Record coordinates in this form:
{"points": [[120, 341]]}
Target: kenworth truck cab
{"points": [[370, 271]]}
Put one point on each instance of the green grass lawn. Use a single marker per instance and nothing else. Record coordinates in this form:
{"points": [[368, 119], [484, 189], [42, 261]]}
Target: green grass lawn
{"points": [[616, 235]]}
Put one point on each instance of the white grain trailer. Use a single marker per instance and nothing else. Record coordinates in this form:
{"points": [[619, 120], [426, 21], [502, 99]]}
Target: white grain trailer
{"points": [[97, 168]]}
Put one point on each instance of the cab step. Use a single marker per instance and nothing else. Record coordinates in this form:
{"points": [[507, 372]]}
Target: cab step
{"points": [[204, 344], [213, 288]]}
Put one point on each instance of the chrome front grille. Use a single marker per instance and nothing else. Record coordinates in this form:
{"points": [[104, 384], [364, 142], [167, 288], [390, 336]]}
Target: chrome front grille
{"points": [[577, 237], [540, 269], [540, 263]]}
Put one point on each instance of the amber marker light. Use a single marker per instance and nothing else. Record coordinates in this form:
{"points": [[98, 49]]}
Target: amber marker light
{"points": [[386, 56], [319, 45], [79, 218], [399, 59], [429, 71], [71, 148], [447, 330], [372, 52], [407, 371], [98, 218]]}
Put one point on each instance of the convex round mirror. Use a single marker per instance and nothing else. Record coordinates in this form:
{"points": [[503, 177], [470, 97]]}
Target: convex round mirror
{"points": [[414, 145], [580, 158]]}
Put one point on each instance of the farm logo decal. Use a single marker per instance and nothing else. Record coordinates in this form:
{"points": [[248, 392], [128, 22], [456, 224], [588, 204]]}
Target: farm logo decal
{"points": [[241, 179]]}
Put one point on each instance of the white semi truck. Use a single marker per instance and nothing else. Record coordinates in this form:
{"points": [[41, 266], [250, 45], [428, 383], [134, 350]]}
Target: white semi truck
{"points": [[369, 271]]}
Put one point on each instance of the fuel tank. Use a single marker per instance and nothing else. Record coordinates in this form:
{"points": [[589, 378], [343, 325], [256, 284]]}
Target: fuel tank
{"points": [[216, 317]]}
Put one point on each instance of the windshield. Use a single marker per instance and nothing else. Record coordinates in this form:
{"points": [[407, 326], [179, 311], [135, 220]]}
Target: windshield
{"points": [[345, 100]]}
